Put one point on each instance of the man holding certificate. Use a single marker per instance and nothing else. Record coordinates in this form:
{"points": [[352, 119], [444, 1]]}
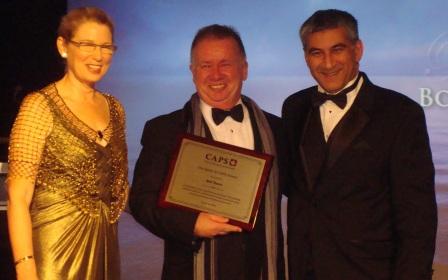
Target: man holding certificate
{"points": [[198, 244]]}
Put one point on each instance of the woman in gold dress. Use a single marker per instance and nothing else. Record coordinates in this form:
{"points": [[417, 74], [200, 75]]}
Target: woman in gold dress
{"points": [[67, 181]]}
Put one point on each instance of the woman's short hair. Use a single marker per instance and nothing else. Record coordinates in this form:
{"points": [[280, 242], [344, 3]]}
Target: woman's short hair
{"points": [[74, 18]]}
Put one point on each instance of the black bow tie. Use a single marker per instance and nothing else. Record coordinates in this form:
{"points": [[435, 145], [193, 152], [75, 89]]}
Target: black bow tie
{"points": [[340, 99], [235, 113]]}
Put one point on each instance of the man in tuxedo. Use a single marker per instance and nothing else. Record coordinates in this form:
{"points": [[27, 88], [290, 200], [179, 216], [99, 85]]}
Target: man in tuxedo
{"points": [[202, 245], [363, 205]]}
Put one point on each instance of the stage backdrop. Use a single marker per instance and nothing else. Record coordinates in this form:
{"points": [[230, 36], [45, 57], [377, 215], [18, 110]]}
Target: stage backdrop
{"points": [[406, 49]]}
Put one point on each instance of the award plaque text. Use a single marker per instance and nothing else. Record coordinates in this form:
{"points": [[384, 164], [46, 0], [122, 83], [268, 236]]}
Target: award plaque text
{"points": [[213, 177]]}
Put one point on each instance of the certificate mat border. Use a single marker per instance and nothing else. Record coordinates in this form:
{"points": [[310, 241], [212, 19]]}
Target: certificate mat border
{"points": [[268, 159]]}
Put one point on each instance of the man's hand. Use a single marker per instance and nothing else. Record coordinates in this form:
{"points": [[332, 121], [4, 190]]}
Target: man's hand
{"points": [[208, 225]]}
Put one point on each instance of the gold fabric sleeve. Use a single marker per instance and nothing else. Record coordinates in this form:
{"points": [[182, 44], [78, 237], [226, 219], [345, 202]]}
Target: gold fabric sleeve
{"points": [[27, 140]]}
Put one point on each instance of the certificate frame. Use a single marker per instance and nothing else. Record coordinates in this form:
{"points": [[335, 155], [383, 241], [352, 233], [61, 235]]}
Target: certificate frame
{"points": [[214, 177]]}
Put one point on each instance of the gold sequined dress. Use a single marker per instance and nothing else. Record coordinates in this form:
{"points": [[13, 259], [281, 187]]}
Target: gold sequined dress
{"points": [[80, 186]]}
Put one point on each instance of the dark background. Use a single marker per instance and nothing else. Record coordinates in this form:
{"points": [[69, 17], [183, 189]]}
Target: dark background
{"points": [[29, 60]]}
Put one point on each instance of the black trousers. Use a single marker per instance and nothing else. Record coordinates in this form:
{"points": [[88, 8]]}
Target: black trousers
{"points": [[310, 275]]}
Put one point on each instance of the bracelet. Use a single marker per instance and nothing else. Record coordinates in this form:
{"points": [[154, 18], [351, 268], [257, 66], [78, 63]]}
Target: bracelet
{"points": [[24, 259]]}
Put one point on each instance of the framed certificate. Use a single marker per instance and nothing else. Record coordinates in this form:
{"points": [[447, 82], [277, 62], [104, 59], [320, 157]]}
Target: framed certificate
{"points": [[214, 177]]}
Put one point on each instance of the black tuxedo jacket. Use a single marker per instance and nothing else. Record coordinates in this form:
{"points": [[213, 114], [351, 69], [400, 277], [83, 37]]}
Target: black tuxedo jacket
{"points": [[244, 253], [363, 205]]}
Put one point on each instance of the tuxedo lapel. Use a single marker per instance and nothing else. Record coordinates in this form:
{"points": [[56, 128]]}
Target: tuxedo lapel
{"points": [[312, 147], [344, 133], [351, 124]]}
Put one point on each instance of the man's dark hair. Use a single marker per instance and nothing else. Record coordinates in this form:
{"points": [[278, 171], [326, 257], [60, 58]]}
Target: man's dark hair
{"points": [[219, 32], [329, 19]]}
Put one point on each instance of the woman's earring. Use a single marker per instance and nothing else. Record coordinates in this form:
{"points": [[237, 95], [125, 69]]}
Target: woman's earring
{"points": [[64, 55]]}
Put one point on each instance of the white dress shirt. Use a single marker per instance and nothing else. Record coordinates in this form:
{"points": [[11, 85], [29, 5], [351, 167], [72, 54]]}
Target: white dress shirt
{"points": [[331, 114], [230, 131]]}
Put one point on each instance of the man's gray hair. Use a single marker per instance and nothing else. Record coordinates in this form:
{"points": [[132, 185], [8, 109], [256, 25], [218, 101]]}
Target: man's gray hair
{"points": [[329, 19]]}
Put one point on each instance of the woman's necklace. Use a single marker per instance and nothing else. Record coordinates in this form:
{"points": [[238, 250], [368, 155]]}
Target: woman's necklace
{"points": [[100, 134], [100, 137]]}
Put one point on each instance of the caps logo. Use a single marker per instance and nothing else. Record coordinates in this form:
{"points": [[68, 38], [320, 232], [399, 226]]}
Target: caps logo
{"points": [[221, 159]]}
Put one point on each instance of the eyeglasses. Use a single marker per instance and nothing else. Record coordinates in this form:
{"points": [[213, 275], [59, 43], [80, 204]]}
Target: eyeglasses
{"points": [[91, 47]]}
